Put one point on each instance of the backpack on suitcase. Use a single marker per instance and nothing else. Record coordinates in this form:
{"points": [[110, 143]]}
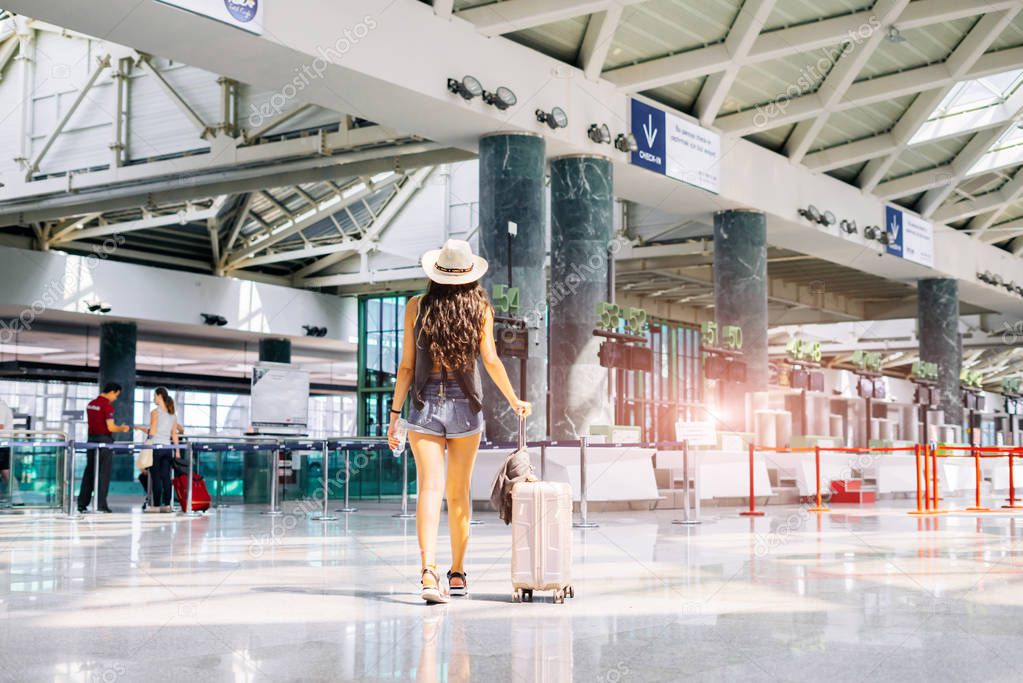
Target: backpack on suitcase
{"points": [[541, 557], [200, 495]]}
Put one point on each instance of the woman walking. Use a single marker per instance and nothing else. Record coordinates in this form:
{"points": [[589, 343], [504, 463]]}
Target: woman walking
{"points": [[163, 429], [446, 331]]}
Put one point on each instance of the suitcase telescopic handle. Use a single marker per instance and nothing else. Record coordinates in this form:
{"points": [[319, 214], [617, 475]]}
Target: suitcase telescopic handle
{"points": [[522, 432]]}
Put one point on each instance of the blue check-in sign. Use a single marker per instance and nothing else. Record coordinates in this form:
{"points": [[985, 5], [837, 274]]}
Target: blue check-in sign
{"points": [[673, 146], [649, 131]]}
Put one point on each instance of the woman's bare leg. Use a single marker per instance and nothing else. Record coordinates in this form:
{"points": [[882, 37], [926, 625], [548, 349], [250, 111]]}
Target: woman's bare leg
{"points": [[429, 454], [461, 458]]}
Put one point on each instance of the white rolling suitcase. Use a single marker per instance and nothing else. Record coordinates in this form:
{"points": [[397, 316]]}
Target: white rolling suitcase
{"points": [[541, 540]]}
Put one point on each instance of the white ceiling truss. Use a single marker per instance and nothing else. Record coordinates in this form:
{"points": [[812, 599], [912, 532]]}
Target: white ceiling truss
{"points": [[845, 87], [276, 197]]}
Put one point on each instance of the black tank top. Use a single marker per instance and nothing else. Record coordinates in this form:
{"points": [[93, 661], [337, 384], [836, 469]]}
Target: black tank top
{"points": [[468, 378]]}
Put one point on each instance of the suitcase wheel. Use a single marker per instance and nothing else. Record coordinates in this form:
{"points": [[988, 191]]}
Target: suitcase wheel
{"points": [[559, 597], [569, 591], [517, 595], [527, 595]]}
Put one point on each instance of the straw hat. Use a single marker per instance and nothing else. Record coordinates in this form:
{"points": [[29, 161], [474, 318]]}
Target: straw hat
{"points": [[454, 264]]}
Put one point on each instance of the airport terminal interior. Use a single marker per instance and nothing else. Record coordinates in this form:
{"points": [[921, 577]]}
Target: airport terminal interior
{"points": [[755, 269]]}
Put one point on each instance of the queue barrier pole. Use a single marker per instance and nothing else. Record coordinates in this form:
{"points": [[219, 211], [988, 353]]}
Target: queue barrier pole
{"points": [[1012, 484], [583, 522], [220, 482], [817, 468], [404, 514], [686, 518], [189, 511], [70, 506], [752, 512], [919, 485], [977, 507], [348, 477], [324, 516], [275, 478]]}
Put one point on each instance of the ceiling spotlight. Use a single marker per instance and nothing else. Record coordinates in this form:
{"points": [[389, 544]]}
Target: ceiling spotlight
{"points": [[556, 118], [502, 98], [811, 213], [872, 232], [312, 331], [848, 226], [213, 319], [997, 280], [827, 219], [469, 87], [626, 142], [895, 35], [100, 307], [600, 134], [885, 237]]}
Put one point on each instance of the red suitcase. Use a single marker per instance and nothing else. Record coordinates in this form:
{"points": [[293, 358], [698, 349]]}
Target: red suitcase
{"points": [[200, 495]]}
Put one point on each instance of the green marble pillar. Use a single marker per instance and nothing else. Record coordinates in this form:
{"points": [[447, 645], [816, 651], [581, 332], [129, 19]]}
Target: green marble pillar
{"points": [[740, 298], [582, 204], [938, 332], [273, 350], [511, 176], [117, 343]]}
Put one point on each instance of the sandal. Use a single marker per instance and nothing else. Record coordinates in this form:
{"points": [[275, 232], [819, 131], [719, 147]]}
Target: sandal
{"points": [[457, 590], [432, 594]]}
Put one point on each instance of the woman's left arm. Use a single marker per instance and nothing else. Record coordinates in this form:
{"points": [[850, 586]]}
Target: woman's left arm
{"points": [[495, 368]]}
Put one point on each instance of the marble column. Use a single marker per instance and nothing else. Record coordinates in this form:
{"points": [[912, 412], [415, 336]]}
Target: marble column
{"points": [[582, 202], [938, 332], [275, 350], [511, 176], [117, 344], [740, 296]]}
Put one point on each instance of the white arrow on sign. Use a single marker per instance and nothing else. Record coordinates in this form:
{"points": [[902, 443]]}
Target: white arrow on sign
{"points": [[649, 131]]}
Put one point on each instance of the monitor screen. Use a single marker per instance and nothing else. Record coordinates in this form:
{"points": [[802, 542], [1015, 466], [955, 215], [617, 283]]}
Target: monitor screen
{"points": [[866, 387], [816, 381]]}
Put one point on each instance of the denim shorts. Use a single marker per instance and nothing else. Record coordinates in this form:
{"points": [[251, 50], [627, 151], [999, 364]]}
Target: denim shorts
{"points": [[446, 412]]}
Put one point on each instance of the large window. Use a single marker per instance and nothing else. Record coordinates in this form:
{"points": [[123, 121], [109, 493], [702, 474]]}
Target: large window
{"points": [[655, 400], [381, 327]]}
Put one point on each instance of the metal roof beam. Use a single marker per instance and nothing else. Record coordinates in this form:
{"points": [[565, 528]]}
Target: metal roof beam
{"points": [[238, 259], [865, 92], [841, 76], [515, 15], [791, 41], [745, 29], [962, 59], [600, 32], [180, 218], [995, 201]]}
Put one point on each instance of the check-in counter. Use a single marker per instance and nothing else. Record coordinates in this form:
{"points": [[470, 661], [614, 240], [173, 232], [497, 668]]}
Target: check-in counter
{"points": [[613, 473], [721, 474]]}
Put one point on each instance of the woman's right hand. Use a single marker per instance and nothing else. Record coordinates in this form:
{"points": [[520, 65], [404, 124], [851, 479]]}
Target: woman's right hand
{"points": [[521, 408], [392, 438]]}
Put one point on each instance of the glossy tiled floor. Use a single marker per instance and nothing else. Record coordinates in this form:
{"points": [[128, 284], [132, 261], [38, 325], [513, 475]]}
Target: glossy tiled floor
{"points": [[862, 595]]}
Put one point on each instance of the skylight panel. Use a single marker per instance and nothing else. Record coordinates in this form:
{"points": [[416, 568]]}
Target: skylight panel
{"points": [[958, 111]]}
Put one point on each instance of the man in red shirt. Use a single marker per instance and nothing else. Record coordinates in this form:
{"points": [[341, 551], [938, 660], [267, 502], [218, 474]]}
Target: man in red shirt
{"points": [[100, 413]]}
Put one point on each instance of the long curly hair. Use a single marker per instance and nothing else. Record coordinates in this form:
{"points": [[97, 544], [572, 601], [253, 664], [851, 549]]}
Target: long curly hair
{"points": [[452, 323]]}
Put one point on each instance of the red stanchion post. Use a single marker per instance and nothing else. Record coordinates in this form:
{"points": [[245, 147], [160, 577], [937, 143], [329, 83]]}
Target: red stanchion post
{"points": [[977, 507], [752, 512], [935, 492], [927, 479], [817, 466], [919, 486], [1012, 483]]}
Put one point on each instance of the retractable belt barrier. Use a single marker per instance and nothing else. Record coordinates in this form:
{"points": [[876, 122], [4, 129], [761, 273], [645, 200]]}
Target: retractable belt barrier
{"points": [[28, 438], [927, 492]]}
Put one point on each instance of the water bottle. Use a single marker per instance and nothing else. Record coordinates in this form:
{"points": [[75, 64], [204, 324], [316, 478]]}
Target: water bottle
{"points": [[401, 432]]}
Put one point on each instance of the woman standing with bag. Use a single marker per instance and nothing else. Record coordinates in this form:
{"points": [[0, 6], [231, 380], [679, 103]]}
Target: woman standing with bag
{"points": [[447, 331], [163, 429]]}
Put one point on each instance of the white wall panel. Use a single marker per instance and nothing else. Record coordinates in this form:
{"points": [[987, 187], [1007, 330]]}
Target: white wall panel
{"points": [[35, 282], [156, 125]]}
